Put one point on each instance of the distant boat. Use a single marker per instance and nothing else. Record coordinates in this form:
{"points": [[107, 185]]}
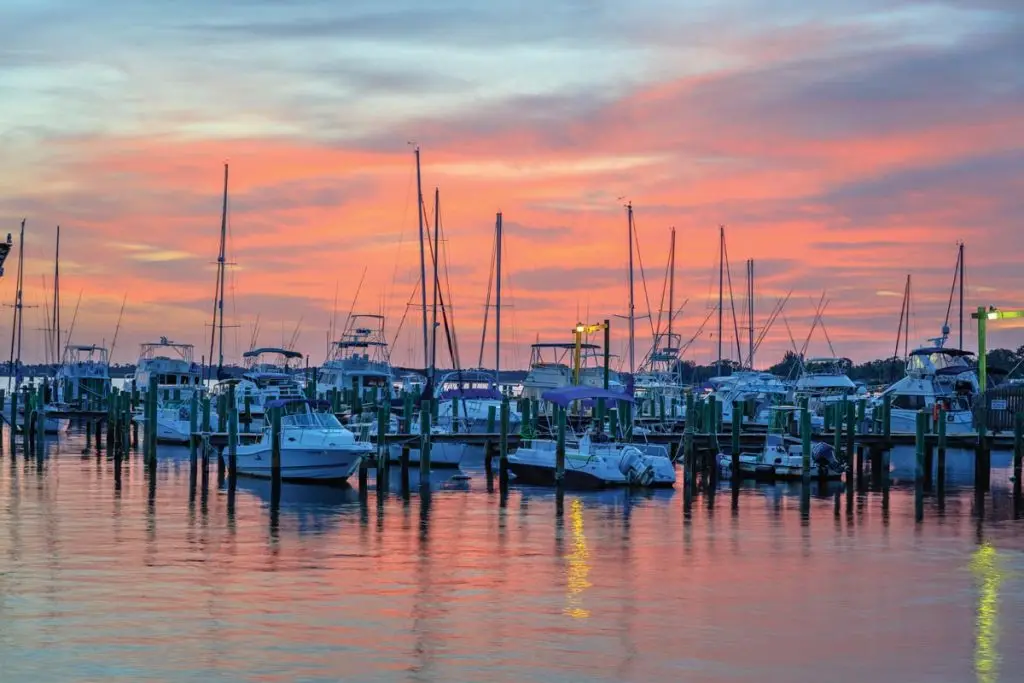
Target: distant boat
{"points": [[361, 360], [936, 376], [315, 447]]}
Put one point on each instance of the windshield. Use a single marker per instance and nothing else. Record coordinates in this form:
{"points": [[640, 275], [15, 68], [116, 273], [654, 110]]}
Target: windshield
{"points": [[311, 421]]}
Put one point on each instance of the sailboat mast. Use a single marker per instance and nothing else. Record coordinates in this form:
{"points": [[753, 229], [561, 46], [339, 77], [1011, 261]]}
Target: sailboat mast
{"points": [[218, 294], [750, 312], [15, 338], [220, 276], [961, 258], [721, 279], [58, 354], [21, 292], [671, 282], [433, 315], [423, 259], [632, 331], [497, 306]]}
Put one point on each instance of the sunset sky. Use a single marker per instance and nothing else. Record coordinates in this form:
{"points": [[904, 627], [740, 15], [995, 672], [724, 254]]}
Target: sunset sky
{"points": [[843, 144]]}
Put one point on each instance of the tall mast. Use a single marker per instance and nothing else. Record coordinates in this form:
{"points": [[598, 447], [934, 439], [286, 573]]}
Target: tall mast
{"points": [[671, 283], [218, 298], [750, 311], [497, 307], [56, 301], [16, 322], [433, 320], [423, 260], [961, 259], [632, 359], [721, 277]]}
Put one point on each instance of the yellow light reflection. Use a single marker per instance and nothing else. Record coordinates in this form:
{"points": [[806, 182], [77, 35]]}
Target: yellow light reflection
{"points": [[985, 565], [577, 568]]}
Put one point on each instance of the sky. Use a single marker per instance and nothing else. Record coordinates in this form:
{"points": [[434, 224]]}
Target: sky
{"points": [[843, 144]]}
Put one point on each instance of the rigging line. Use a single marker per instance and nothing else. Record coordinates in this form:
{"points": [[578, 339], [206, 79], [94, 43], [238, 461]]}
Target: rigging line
{"points": [[697, 334], [401, 234], [453, 338], [780, 305], [830, 348], [48, 336], [643, 276], [664, 291], [74, 319], [355, 300], [117, 329], [814, 323], [732, 304], [487, 301], [952, 289], [792, 340], [511, 293], [903, 309], [409, 304], [332, 328]]}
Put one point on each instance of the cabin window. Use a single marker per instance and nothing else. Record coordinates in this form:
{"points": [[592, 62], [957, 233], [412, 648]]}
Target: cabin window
{"points": [[908, 402]]}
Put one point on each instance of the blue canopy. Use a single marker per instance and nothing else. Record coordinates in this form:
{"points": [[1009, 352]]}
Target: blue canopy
{"points": [[282, 402], [567, 395]]}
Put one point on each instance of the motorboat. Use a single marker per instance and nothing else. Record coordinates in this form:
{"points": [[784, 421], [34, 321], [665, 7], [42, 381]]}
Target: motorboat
{"points": [[361, 360], [83, 378], [178, 378], [270, 375], [315, 447], [595, 459]]}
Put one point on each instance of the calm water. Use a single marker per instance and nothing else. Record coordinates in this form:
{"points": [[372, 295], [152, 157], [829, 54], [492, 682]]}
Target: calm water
{"points": [[99, 584]]}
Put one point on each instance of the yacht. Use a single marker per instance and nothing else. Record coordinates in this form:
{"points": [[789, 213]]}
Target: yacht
{"points": [[595, 459], [935, 375], [476, 392], [551, 368], [178, 378], [83, 379], [361, 359], [315, 447], [270, 374], [765, 389], [823, 381]]}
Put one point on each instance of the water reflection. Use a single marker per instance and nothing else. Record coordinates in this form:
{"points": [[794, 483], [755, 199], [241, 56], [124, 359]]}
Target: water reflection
{"points": [[577, 565], [986, 567]]}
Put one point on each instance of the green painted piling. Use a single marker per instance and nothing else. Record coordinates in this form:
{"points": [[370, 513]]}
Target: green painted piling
{"points": [[524, 424], [887, 419], [425, 415], [232, 407], [921, 428], [691, 415], [357, 403], [247, 405], [560, 448], [222, 412], [455, 414], [193, 425], [805, 443], [383, 415], [151, 418], [14, 415], [838, 413], [737, 427], [829, 409], [714, 413], [435, 407], [661, 408], [851, 422], [275, 443], [492, 413], [503, 447], [206, 414], [613, 422], [627, 420]]}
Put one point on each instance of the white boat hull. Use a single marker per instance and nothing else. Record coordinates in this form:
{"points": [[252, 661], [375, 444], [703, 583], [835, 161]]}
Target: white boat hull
{"points": [[301, 464], [593, 466], [905, 422]]}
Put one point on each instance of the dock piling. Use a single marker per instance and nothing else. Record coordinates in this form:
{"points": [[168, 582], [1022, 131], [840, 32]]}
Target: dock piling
{"points": [[503, 448], [232, 472], [919, 436], [275, 448], [425, 415], [737, 426], [560, 448]]}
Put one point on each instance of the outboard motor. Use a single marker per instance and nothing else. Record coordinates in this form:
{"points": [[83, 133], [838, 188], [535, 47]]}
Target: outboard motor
{"points": [[635, 468], [823, 455]]}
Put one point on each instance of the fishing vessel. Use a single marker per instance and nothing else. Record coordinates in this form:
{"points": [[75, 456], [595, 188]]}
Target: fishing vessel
{"points": [[823, 381], [594, 460], [178, 378], [936, 377], [763, 389], [270, 375], [315, 447], [361, 359], [83, 379]]}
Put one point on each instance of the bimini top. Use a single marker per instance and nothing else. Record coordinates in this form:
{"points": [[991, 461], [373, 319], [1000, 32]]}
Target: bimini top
{"points": [[567, 395], [947, 351], [287, 353]]}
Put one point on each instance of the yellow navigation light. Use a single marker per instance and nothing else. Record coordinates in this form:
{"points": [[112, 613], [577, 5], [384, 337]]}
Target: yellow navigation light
{"points": [[983, 315], [579, 331]]}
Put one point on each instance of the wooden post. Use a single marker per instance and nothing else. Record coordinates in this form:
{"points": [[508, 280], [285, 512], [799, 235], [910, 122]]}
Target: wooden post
{"points": [[404, 464], [503, 447], [455, 414], [275, 445], [524, 425], [805, 442], [887, 421], [383, 421], [851, 428], [560, 448], [491, 417], [1018, 456], [425, 415], [247, 405], [151, 419], [921, 426], [838, 413], [737, 426], [222, 412], [407, 413], [232, 408]]}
